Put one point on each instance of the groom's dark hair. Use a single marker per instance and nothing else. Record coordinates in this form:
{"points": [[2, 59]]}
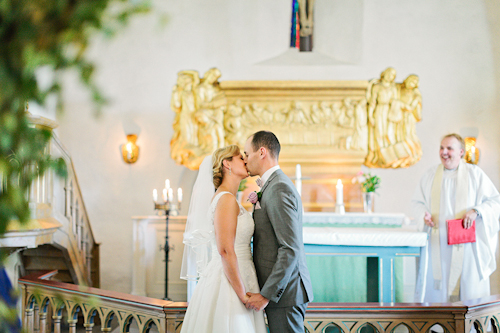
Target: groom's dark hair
{"points": [[267, 140]]}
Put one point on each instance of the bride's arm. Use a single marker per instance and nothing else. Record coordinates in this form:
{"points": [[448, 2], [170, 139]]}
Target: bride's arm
{"points": [[226, 217]]}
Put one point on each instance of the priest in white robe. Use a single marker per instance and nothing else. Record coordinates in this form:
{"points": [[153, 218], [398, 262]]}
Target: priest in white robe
{"points": [[456, 190]]}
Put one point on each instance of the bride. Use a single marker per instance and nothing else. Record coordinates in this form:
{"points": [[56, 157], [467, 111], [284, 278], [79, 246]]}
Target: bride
{"points": [[217, 250]]}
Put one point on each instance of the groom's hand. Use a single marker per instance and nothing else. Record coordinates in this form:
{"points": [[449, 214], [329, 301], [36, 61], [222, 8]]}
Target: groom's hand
{"points": [[256, 302]]}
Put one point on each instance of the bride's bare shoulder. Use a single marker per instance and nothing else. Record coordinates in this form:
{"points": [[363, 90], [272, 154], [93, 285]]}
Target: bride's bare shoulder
{"points": [[226, 200]]}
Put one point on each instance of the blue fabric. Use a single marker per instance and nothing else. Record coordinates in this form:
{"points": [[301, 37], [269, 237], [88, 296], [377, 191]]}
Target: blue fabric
{"points": [[7, 297]]}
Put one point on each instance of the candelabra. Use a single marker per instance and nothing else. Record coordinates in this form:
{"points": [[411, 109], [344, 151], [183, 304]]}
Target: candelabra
{"points": [[170, 208]]}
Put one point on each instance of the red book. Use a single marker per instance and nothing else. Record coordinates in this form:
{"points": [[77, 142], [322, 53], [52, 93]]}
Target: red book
{"points": [[457, 234]]}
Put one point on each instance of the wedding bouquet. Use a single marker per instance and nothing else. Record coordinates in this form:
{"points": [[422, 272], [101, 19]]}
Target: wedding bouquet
{"points": [[369, 182]]}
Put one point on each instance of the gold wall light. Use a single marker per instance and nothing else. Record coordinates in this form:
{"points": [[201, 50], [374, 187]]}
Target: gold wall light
{"points": [[130, 150], [471, 152]]}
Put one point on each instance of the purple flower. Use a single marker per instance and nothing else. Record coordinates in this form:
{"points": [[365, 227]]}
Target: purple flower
{"points": [[253, 197]]}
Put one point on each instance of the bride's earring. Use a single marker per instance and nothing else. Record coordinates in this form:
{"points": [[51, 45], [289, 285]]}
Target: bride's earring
{"points": [[230, 171]]}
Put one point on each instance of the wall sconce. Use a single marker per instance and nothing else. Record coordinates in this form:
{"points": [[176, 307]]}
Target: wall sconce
{"points": [[130, 150], [471, 152]]}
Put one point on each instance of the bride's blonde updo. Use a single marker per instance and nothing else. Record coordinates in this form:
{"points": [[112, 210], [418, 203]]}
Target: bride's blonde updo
{"points": [[218, 157]]}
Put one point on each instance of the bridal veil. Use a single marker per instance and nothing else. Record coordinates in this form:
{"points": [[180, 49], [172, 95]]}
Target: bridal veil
{"points": [[199, 228]]}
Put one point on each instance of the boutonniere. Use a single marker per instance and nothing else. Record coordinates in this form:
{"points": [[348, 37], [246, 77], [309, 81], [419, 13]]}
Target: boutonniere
{"points": [[254, 198]]}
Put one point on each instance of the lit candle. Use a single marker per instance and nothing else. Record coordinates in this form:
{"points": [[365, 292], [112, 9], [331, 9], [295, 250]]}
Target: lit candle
{"points": [[128, 147], [170, 194], [164, 195], [179, 195], [298, 173], [167, 184], [340, 193], [298, 179], [155, 195]]}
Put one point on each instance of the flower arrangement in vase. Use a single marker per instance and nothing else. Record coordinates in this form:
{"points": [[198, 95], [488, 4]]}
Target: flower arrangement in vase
{"points": [[369, 183]]}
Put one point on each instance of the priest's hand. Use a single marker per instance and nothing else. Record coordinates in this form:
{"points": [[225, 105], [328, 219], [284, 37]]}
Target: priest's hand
{"points": [[428, 219], [469, 217], [256, 302]]}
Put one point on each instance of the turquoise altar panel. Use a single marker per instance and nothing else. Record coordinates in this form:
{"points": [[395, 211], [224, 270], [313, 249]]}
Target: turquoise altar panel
{"points": [[344, 279], [386, 266], [338, 279], [357, 257]]}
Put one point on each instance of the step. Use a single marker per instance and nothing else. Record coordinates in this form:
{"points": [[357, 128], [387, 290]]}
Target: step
{"points": [[43, 251], [44, 263]]}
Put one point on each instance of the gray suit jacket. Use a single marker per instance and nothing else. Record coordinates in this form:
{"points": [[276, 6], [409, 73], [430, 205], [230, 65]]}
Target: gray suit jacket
{"points": [[278, 247]]}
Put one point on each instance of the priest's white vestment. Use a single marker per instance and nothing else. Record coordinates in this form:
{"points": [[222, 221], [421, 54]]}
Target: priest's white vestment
{"points": [[479, 257]]}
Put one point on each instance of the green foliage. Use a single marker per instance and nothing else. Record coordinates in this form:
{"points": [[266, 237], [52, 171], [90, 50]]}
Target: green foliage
{"points": [[8, 317], [243, 185], [369, 182], [35, 33], [52, 33]]}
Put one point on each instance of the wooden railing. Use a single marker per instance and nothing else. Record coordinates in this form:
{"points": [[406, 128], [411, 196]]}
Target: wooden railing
{"points": [[58, 218], [71, 208], [46, 303]]}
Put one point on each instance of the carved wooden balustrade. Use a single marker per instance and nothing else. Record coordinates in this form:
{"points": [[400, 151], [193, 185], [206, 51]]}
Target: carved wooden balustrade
{"points": [[59, 227], [82, 244], [46, 303]]}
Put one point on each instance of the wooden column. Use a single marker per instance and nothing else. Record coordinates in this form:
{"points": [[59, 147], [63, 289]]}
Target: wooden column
{"points": [[88, 327], [72, 325], [43, 322], [28, 320], [57, 323]]}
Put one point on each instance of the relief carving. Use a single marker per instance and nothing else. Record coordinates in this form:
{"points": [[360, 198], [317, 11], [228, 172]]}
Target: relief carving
{"points": [[199, 106], [376, 119]]}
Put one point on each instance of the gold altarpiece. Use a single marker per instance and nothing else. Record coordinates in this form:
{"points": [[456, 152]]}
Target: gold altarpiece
{"points": [[330, 128]]}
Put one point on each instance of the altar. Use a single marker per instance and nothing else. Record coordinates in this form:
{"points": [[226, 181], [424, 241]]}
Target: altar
{"points": [[369, 244], [329, 131]]}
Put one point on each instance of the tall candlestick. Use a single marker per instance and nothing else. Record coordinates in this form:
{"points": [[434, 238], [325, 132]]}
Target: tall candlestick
{"points": [[298, 173], [340, 193], [170, 194], [164, 195], [155, 195], [179, 195]]}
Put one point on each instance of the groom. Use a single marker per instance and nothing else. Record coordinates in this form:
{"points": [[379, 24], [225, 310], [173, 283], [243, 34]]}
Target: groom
{"points": [[278, 249]]}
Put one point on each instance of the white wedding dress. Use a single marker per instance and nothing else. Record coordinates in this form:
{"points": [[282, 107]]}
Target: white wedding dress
{"points": [[214, 306]]}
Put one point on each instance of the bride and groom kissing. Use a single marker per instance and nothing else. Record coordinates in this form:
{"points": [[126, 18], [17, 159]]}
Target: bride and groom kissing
{"points": [[234, 286]]}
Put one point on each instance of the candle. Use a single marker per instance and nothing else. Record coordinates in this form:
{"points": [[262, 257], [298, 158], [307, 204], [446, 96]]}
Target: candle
{"points": [[340, 193], [170, 194], [164, 195], [298, 179], [155, 195], [167, 184], [179, 195]]}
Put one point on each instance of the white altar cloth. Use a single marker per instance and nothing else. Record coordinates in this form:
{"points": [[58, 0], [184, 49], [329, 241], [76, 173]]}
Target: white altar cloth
{"points": [[404, 236], [378, 219]]}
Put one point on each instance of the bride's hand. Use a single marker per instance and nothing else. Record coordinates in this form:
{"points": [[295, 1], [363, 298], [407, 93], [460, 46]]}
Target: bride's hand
{"points": [[245, 299]]}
